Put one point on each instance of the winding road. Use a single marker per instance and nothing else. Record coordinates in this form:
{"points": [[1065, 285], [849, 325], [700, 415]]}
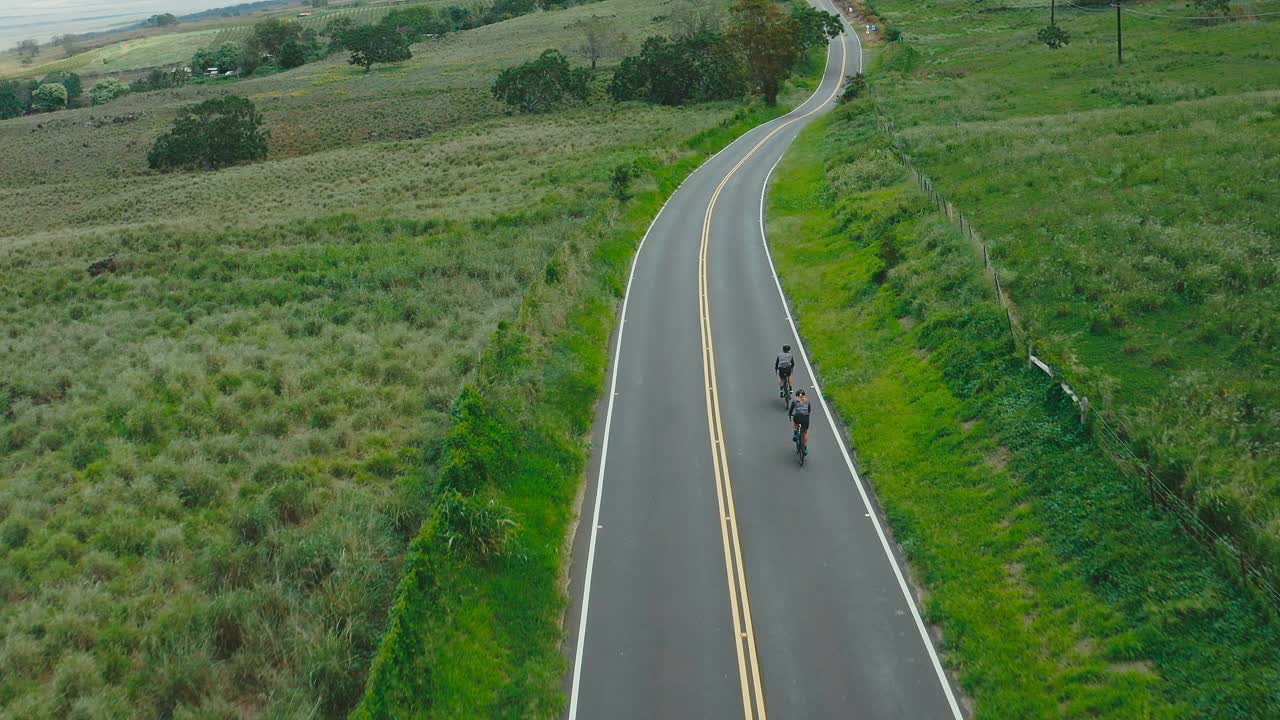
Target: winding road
{"points": [[712, 577]]}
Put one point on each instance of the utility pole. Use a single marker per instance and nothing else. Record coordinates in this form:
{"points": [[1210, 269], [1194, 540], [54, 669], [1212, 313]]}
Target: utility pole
{"points": [[1119, 44]]}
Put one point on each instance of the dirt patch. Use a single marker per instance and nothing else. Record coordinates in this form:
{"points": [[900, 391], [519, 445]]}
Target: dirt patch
{"points": [[1086, 647], [1014, 570], [998, 459], [921, 354], [968, 425], [1141, 667], [907, 322]]}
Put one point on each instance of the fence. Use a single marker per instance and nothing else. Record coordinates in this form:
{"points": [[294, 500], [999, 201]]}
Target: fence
{"points": [[1164, 498]]}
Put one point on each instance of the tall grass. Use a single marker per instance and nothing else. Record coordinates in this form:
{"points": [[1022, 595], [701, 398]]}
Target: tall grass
{"points": [[1131, 209]]}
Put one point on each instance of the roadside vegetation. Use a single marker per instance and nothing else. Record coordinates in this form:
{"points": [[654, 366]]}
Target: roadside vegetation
{"points": [[1131, 209], [225, 397], [1056, 589]]}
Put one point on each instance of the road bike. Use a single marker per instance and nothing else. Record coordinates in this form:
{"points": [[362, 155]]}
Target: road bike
{"points": [[785, 392], [802, 448]]}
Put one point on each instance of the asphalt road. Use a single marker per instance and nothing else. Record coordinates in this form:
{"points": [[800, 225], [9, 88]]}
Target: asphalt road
{"points": [[712, 576]]}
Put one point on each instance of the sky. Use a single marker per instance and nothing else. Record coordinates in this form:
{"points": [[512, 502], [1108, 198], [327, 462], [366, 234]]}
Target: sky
{"points": [[42, 19]]}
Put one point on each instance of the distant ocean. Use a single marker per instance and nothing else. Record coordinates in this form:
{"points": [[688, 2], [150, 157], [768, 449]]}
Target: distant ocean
{"points": [[42, 19]]}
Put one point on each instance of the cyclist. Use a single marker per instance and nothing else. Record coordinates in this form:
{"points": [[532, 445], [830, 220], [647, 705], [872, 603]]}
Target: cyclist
{"points": [[783, 366], [799, 414]]}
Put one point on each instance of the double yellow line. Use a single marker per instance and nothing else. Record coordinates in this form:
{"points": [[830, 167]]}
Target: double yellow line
{"points": [[739, 600]]}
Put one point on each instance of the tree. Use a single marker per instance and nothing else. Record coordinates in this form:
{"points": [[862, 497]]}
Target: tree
{"points": [[224, 57], [416, 22], [371, 44], [28, 50], [269, 36], [292, 55], [1053, 36], [601, 38], [336, 30], [854, 86], [12, 102], [697, 68], [814, 27], [50, 97], [161, 20], [1211, 7], [694, 17], [69, 80], [765, 36], [213, 134], [106, 90], [540, 85], [69, 43]]}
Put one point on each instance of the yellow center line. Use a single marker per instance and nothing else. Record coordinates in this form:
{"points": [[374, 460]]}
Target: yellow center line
{"points": [[739, 601]]}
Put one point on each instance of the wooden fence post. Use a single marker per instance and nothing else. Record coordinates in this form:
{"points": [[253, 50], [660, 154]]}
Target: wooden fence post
{"points": [[1084, 409]]}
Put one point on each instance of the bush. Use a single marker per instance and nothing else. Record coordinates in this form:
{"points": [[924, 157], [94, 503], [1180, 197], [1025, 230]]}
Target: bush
{"points": [[475, 525], [542, 84], [1053, 36], [213, 134], [854, 86], [893, 34], [50, 97], [697, 68], [620, 180], [69, 80], [106, 90]]}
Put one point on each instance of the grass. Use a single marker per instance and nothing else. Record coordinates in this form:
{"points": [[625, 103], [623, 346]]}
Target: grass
{"points": [[1057, 593], [1130, 209], [213, 457]]}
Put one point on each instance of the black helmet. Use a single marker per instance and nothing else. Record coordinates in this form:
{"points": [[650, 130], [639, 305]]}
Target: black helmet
{"points": [[786, 348], [800, 392]]}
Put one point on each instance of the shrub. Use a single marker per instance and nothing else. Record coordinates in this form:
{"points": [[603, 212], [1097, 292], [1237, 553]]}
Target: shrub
{"points": [[893, 34], [542, 84], [697, 68], [213, 134], [69, 80], [370, 44], [11, 103], [50, 97], [1053, 36], [620, 180], [106, 90], [475, 525], [854, 86]]}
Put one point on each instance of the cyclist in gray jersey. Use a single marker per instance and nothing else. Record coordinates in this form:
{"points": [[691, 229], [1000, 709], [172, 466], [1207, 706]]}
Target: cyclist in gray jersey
{"points": [[783, 365], [799, 414]]}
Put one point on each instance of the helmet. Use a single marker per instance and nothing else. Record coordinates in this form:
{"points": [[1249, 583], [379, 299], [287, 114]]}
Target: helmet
{"points": [[786, 348], [800, 392]]}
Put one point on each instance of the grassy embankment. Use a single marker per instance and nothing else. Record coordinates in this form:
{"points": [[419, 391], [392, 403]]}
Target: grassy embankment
{"points": [[1131, 210], [470, 637], [1057, 592], [213, 457]]}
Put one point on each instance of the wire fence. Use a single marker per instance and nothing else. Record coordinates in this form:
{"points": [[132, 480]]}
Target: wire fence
{"points": [[1164, 496]]}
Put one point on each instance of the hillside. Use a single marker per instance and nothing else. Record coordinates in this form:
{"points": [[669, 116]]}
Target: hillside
{"points": [[214, 454], [1131, 211]]}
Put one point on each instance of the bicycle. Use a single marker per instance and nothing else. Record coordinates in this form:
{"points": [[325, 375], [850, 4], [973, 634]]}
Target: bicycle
{"points": [[785, 393], [802, 447]]}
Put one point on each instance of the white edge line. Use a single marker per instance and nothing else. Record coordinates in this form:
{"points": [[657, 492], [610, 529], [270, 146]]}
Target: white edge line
{"points": [[613, 385], [857, 481]]}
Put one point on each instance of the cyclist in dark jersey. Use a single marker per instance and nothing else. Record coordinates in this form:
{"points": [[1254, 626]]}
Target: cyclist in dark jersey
{"points": [[799, 414], [783, 365]]}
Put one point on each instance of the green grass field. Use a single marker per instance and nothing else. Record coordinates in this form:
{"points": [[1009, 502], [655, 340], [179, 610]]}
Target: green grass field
{"points": [[1056, 591], [213, 458], [1131, 210]]}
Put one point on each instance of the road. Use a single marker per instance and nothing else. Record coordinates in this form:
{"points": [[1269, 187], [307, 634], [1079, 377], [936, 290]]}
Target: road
{"points": [[712, 576]]}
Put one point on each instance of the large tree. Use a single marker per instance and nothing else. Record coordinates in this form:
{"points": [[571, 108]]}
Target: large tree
{"points": [[416, 22], [694, 17], [50, 97], [213, 134], [13, 100], [697, 68], [540, 85], [69, 80], [107, 89], [814, 27], [269, 36], [766, 37], [370, 44], [28, 50], [601, 38], [69, 43]]}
